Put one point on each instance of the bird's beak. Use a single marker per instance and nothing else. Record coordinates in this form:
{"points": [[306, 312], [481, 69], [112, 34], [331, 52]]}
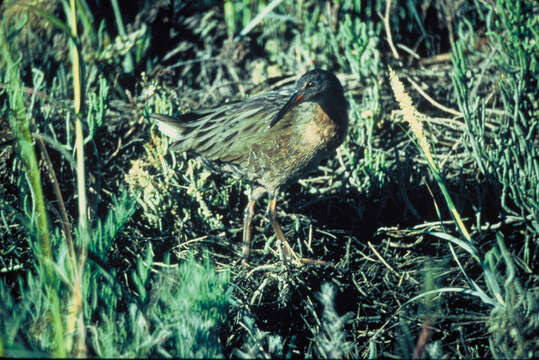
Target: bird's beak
{"points": [[295, 99]]}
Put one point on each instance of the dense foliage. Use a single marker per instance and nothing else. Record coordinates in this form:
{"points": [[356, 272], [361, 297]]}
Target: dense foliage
{"points": [[111, 246]]}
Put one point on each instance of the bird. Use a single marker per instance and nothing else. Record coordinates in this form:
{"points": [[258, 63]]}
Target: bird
{"points": [[270, 140]]}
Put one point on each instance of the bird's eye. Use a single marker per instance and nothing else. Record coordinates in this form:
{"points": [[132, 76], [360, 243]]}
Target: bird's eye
{"points": [[309, 84]]}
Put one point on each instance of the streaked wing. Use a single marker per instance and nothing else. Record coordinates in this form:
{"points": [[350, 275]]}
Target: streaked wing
{"points": [[226, 132]]}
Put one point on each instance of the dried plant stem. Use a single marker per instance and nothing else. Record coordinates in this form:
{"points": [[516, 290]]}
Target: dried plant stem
{"points": [[75, 316], [387, 27], [432, 101], [66, 224]]}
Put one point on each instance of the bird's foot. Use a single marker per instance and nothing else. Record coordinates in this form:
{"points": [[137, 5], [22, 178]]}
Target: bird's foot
{"points": [[289, 256]]}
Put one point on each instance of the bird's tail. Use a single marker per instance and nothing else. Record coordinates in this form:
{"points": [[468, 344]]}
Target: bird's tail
{"points": [[169, 126]]}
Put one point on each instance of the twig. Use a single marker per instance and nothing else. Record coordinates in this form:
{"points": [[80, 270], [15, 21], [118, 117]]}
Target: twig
{"points": [[409, 51], [266, 267], [66, 224], [386, 264], [381, 258], [258, 18], [258, 291], [184, 244], [346, 173], [432, 101], [405, 246], [439, 58], [388, 30]]}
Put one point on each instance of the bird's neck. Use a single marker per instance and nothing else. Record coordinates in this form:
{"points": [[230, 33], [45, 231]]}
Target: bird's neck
{"points": [[337, 109]]}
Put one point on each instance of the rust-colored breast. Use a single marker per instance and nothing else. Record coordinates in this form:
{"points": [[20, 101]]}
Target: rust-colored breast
{"points": [[295, 146], [321, 130]]}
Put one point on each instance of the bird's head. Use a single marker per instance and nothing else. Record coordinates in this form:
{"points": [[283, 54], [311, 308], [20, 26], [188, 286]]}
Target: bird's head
{"points": [[316, 85]]}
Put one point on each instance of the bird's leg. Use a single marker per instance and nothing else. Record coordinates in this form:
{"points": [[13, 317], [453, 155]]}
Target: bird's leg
{"points": [[248, 214], [286, 250]]}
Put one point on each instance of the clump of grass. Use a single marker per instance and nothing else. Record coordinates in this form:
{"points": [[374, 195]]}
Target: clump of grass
{"points": [[20, 122], [513, 326], [507, 159], [150, 191], [260, 344], [496, 296], [331, 339], [74, 285], [172, 311], [176, 313]]}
